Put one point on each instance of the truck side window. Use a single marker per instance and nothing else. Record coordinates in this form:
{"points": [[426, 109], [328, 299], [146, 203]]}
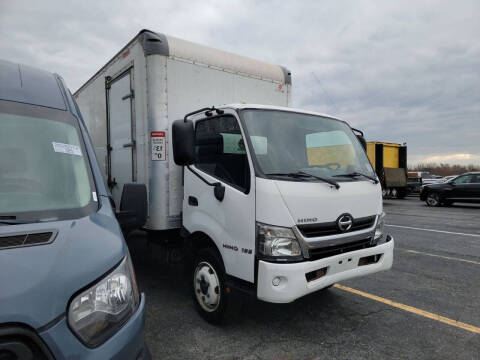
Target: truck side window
{"points": [[220, 151]]}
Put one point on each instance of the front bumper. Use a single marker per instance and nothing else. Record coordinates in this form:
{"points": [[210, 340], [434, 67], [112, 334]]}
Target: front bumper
{"points": [[293, 282], [127, 343]]}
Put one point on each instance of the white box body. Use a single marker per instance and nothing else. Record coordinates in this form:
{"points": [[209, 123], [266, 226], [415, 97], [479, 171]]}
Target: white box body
{"points": [[168, 78]]}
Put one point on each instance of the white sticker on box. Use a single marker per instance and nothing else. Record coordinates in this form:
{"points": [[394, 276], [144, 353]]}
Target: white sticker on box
{"points": [[159, 144], [66, 148]]}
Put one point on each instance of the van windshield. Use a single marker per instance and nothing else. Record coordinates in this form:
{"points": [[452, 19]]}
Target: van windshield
{"points": [[286, 143], [44, 169]]}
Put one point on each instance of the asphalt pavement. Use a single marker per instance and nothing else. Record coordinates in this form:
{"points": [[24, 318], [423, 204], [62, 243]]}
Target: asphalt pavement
{"points": [[426, 307]]}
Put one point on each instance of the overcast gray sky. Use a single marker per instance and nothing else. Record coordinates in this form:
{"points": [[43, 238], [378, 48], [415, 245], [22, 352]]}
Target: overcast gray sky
{"points": [[403, 71]]}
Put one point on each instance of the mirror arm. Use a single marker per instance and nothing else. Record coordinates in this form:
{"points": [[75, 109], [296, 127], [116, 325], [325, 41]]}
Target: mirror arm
{"points": [[359, 131], [202, 178], [219, 189]]}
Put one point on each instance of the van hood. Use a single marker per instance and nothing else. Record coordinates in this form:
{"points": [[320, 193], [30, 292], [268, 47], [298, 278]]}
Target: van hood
{"points": [[314, 202], [37, 282]]}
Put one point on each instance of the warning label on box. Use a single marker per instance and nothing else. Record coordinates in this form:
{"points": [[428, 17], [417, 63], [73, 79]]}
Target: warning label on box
{"points": [[159, 145]]}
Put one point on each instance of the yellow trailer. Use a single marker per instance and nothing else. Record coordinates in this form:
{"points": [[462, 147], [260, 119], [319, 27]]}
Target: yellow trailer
{"points": [[390, 163]]}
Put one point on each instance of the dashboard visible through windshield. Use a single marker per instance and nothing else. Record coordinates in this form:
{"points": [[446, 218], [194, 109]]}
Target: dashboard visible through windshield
{"points": [[287, 143]]}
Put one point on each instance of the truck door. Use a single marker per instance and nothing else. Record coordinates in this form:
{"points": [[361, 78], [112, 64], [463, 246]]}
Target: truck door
{"points": [[121, 143], [221, 156]]}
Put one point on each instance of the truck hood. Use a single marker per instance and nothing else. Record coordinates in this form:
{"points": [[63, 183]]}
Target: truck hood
{"points": [[37, 282], [314, 202]]}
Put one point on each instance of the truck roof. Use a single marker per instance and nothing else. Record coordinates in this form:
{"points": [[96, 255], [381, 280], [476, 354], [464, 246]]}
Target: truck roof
{"points": [[154, 43], [25, 84], [273, 107]]}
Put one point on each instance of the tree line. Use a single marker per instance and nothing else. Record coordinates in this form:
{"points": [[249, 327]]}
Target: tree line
{"points": [[443, 169]]}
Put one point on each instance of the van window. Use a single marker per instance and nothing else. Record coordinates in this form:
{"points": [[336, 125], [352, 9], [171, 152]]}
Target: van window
{"points": [[45, 172], [220, 151]]}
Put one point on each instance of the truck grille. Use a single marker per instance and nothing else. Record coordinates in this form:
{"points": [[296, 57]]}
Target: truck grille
{"points": [[20, 343], [323, 252], [28, 239], [331, 228]]}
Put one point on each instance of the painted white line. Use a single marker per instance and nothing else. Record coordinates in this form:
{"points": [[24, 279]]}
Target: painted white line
{"points": [[432, 230], [439, 256]]}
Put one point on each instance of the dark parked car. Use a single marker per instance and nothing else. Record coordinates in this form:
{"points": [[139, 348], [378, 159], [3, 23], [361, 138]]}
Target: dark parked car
{"points": [[463, 188]]}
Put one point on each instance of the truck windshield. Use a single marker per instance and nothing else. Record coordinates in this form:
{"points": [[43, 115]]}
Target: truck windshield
{"points": [[288, 143], [44, 169]]}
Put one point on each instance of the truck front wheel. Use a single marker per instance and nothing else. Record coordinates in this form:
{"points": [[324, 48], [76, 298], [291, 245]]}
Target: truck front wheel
{"points": [[208, 286]]}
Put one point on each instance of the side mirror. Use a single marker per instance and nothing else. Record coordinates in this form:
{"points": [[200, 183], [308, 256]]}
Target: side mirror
{"points": [[362, 141], [133, 207], [183, 142]]}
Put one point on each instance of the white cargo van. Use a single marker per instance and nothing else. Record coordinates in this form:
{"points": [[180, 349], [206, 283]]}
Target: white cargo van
{"points": [[270, 200]]}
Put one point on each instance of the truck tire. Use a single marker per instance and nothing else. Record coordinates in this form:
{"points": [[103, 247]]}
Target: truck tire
{"points": [[394, 192], [208, 286], [384, 192], [433, 199], [401, 193]]}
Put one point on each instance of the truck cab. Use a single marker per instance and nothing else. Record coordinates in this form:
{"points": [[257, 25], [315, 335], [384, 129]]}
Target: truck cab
{"points": [[68, 288], [280, 201]]}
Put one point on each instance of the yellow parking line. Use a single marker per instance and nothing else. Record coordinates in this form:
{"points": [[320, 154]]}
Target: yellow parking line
{"points": [[411, 309], [440, 256]]}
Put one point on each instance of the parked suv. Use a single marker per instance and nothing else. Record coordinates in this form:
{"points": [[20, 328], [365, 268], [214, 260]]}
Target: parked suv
{"points": [[67, 285], [463, 188]]}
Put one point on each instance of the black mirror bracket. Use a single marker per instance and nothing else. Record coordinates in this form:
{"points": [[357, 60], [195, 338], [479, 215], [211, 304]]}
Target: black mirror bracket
{"points": [[219, 189]]}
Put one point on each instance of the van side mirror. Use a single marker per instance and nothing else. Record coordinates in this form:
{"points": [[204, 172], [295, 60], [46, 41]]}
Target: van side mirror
{"points": [[183, 142], [133, 207], [362, 141]]}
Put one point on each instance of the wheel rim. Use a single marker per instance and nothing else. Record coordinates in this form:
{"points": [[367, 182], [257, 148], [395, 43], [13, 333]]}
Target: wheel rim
{"points": [[432, 199], [394, 192], [207, 287], [384, 192]]}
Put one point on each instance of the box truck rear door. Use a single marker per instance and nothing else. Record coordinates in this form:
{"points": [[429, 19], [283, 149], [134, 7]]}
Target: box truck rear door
{"points": [[121, 134]]}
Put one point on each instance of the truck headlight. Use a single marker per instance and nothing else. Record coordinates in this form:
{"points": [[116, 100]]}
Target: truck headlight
{"points": [[380, 225], [97, 313], [277, 243]]}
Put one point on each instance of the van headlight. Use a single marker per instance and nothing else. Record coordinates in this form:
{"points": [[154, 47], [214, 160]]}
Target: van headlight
{"points": [[277, 243], [380, 226], [97, 313]]}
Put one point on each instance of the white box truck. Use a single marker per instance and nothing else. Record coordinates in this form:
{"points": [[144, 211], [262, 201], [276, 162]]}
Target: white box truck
{"points": [[130, 102], [270, 200]]}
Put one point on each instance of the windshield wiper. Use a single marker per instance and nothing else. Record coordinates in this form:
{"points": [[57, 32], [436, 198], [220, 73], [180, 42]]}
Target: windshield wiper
{"points": [[11, 220], [302, 174], [356, 174]]}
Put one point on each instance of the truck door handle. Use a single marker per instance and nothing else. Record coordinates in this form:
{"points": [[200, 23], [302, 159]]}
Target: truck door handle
{"points": [[192, 201], [131, 144]]}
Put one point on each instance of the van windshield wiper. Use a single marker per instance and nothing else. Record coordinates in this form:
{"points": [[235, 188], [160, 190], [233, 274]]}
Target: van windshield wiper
{"points": [[356, 174], [302, 174], [11, 220]]}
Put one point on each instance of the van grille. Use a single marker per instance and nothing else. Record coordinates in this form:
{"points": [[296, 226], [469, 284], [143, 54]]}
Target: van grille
{"points": [[331, 228], [26, 239], [323, 252]]}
